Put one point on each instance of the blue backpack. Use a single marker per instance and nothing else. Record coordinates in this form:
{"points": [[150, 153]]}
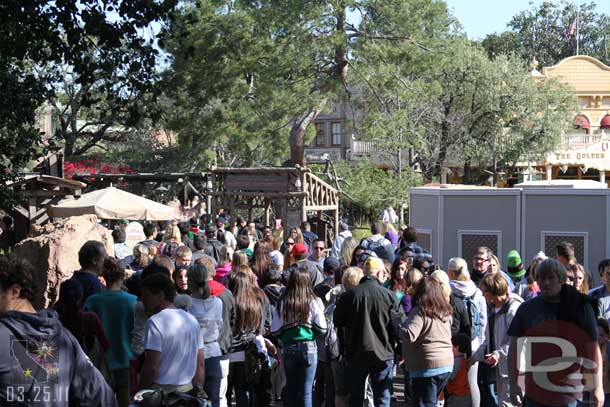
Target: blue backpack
{"points": [[475, 316]]}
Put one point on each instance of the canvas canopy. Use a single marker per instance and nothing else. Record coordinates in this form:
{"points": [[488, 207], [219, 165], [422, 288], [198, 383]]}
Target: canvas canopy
{"points": [[112, 203]]}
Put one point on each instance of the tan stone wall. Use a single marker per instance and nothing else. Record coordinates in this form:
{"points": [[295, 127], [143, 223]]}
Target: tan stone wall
{"points": [[54, 254]]}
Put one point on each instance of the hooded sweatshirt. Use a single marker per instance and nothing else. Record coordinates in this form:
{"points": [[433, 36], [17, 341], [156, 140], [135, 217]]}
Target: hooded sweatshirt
{"points": [[42, 364], [225, 337], [501, 319], [338, 243], [472, 296]]}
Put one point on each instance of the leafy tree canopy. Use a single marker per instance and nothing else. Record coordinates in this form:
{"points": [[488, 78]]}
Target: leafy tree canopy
{"points": [[465, 109], [247, 78], [44, 41], [543, 32]]}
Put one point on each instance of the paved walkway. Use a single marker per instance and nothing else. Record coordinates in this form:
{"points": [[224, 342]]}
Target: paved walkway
{"points": [[397, 400]]}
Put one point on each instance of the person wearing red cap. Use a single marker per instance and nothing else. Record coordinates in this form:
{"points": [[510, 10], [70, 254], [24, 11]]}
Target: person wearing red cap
{"points": [[300, 253]]}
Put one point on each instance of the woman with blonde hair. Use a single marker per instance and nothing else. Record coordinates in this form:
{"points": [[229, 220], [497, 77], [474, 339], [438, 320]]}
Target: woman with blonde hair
{"points": [[351, 277], [465, 289], [141, 258], [443, 279], [461, 320], [412, 278], [577, 277], [296, 234], [391, 234], [172, 234], [171, 240], [347, 249]]}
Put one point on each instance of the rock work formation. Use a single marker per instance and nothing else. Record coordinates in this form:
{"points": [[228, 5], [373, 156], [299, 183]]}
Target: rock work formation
{"points": [[54, 254]]}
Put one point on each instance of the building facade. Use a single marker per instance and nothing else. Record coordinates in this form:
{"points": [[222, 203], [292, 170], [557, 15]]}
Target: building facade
{"points": [[583, 153]]}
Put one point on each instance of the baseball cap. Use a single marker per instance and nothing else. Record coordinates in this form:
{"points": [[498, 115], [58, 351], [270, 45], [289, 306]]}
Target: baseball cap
{"points": [[374, 263], [299, 249]]}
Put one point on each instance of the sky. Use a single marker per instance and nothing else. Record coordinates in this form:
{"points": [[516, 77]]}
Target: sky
{"points": [[482, 17]]}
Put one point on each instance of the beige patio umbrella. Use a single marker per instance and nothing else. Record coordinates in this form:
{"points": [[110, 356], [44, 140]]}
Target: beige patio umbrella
{"points": [[112, 203]]}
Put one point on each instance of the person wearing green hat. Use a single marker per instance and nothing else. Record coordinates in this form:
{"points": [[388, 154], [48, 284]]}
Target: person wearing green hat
{"points": [[514, 266]]}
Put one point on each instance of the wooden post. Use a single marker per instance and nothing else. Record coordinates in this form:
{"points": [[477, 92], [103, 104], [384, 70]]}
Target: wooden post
{"points": [[284, 217], [303, 202], [32, 210], [185, 185], [267, 212], [336, 222]]}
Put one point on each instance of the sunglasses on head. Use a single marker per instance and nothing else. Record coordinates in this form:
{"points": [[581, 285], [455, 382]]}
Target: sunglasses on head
{"points": [[365, 255]]}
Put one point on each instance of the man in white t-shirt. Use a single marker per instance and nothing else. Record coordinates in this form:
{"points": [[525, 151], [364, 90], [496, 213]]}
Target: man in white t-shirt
{"points": [[173, 343]]}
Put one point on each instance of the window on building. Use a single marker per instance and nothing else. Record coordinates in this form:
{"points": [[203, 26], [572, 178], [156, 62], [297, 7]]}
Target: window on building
{"points": [[336, 127], [320, 134]]}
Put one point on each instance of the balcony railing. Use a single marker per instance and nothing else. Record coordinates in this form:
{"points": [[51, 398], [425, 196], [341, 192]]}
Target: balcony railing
{"points": [[365, 148], [577, 141]]}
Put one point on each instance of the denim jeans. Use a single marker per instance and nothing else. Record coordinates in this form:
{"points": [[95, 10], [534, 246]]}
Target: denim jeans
{"points": [[213, 376], [488, 394], [380, 376], [425, 390], [300, 362]]}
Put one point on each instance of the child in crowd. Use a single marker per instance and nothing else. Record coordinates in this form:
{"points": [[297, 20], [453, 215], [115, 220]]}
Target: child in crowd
{"points": [[273, 284], [457, 391]]}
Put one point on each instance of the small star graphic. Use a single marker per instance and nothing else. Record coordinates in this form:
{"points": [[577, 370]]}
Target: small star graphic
{"points": [[27, 373]]}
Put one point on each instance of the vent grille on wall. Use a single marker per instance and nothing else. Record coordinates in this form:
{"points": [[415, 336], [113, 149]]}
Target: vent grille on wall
{"points": [[424, 239], [470, 241], [551, 240]]}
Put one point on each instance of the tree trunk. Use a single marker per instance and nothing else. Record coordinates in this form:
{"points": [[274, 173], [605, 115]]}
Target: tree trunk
{"points": [[445, 128], [341, 50], [297, 133]]}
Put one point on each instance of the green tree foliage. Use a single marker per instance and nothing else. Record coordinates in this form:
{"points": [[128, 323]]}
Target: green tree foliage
{"points": [[43, 40], [248, 79], [368, 188], [542, 32], [466, 110]]}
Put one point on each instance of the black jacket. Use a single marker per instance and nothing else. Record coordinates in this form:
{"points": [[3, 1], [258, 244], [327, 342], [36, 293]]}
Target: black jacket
{"points": [[225, 336], [366, 313], [461, 319], [65, 376], [212, 249]]}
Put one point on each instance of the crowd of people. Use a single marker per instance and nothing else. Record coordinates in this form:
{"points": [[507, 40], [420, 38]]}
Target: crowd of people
{"points": [[234, 312]]}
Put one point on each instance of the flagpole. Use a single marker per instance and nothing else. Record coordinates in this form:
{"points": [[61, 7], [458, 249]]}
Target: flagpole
{"points": [[577, 28]]}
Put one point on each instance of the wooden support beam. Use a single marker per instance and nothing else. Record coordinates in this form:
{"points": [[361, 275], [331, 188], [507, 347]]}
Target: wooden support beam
{"points": [[259, 194], [262, 170], [45, 194], [321, 208], [268, 212]]}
